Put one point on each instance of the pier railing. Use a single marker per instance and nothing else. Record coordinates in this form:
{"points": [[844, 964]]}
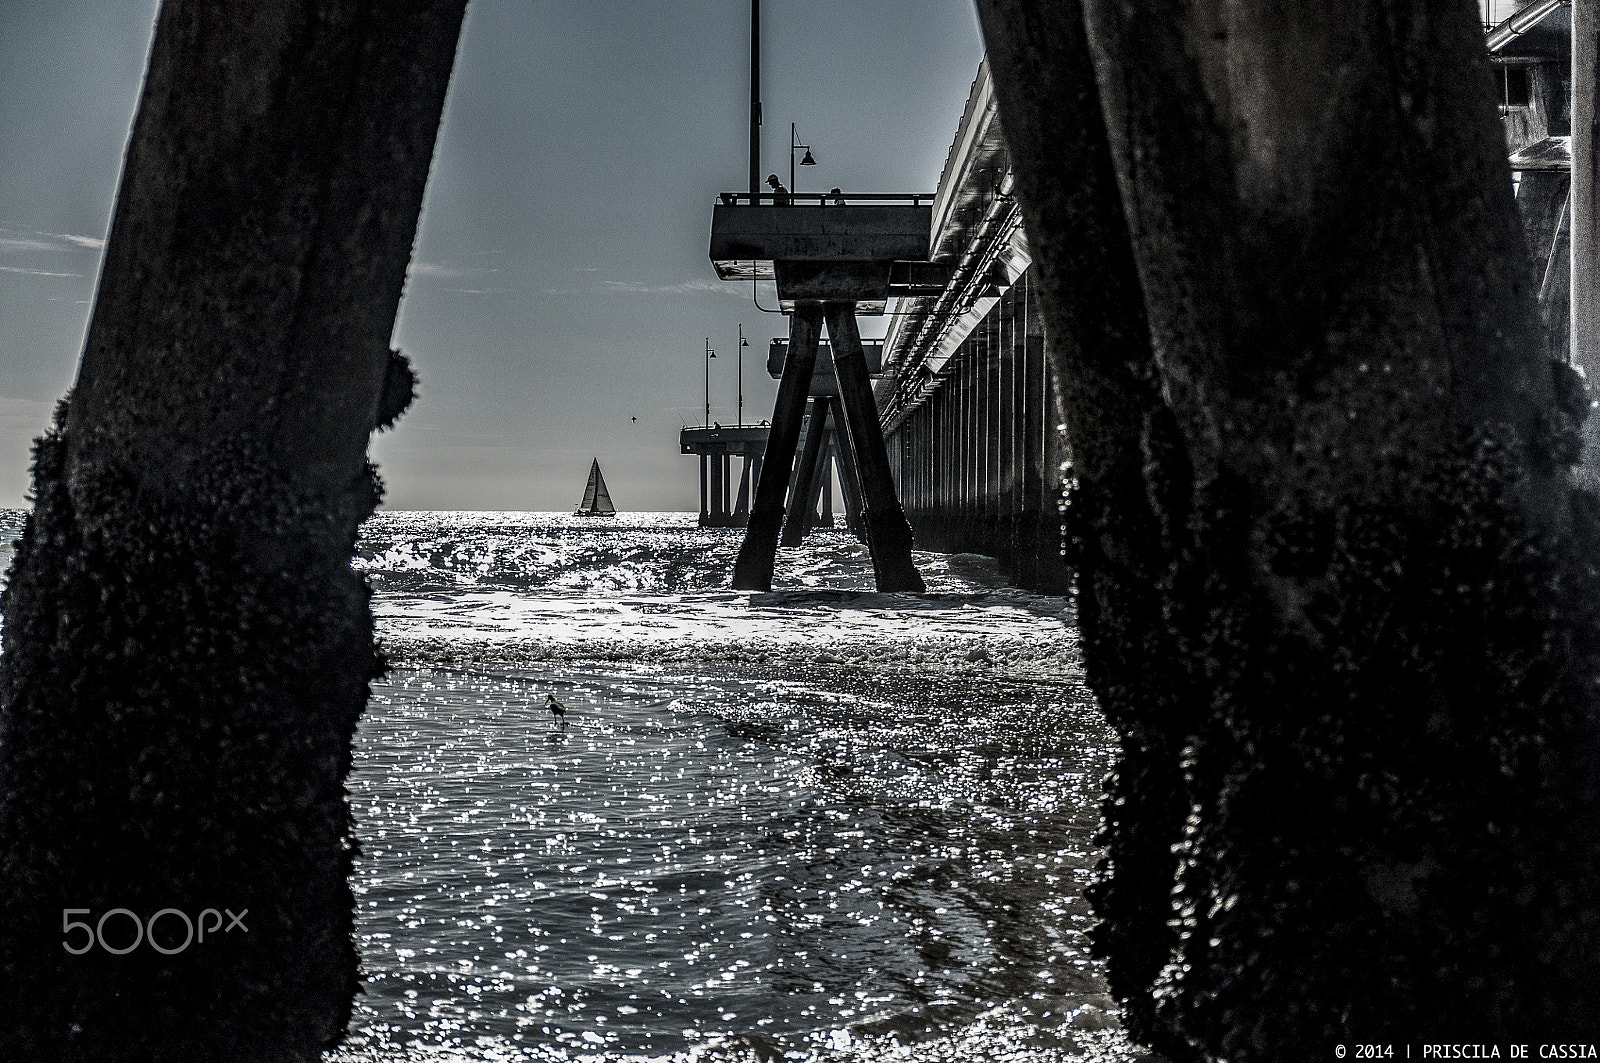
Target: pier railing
{"points": [[823, 199]]}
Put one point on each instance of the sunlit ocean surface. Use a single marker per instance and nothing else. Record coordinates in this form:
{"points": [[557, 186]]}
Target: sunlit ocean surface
{"points": [[816, 824]]}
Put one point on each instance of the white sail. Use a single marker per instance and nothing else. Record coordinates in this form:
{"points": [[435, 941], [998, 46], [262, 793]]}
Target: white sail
{"points": [[596, 499]]}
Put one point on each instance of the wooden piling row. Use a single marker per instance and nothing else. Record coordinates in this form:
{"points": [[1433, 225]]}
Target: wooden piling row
{"points": [[979, 463]]}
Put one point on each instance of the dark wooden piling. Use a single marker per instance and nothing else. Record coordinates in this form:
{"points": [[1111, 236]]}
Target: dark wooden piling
{"points": [[1329, 536], [187, 650]]}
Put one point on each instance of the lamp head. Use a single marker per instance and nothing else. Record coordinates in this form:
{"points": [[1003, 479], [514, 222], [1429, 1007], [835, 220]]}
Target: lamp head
{"points": [[807, 160]]}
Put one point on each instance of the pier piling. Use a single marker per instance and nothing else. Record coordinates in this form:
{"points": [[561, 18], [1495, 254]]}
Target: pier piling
{"points": [[888, 533], [802, 499], [753, 569]]}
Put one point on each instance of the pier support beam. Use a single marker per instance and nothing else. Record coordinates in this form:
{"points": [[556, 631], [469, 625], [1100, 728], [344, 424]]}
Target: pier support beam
{"points": [[187, 650], [821, 473], [753, 569], [888, 533], [741, 508], [825, 513], [1387, 552], [797, 520], [1585, 217], [849, 480], [719, 494]]}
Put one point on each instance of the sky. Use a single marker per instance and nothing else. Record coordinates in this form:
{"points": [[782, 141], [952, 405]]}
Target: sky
{"points": [[560, 285]]}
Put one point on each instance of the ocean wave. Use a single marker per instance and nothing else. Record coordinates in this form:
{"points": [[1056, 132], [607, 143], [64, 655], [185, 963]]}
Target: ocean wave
{"points": [[1007, 633], [1005, 657]]}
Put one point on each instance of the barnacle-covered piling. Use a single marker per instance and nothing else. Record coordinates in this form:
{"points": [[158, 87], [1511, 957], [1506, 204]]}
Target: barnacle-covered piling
{"points": [[187, 649], [1337, 586]]}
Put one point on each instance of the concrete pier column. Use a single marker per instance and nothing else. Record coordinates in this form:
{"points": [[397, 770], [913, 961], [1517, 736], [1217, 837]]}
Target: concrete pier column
{"points": [[1009, 495], [888, 533], [826, 518], [705, 497], [741, 508], [753, 569], [909, 463], [988, 439], [966, 455], [719, 513], [796, 521], [819, 476], [1030, 520], [942, 472], [849, 479]]}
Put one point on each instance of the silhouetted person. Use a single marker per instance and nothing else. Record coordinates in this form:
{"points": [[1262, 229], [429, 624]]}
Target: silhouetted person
{"points": [[838, 195], [780, 194], [558, 710]]}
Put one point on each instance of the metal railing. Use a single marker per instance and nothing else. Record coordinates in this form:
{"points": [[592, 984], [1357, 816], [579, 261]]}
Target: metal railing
{"points": [[824, 199]]}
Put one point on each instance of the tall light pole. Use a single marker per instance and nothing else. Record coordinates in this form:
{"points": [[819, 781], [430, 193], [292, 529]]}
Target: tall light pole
{"points": [[806, 160], [710, 354], [743, 343], [755, 100]]}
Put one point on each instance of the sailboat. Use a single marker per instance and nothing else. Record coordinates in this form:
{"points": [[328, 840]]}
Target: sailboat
{"points": [[596, 499]]}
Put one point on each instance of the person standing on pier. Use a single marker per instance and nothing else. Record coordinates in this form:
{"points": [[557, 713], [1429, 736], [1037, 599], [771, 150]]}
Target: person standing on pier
{"points": [[780, 194]]}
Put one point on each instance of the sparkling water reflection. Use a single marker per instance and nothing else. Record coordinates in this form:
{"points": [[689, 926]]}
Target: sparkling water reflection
{"points": [[867, 840], [689, 860]]}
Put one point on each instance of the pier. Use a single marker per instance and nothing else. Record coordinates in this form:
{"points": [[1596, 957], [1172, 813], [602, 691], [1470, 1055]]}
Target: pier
{"points": [[833, 257], [958, 399], [967, 400], [826, 449], [720, 505]]}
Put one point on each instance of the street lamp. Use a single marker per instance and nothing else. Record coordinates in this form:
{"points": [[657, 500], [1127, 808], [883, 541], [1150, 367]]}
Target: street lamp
{"points": [[806, 160], [743, 343], [710, 354]]}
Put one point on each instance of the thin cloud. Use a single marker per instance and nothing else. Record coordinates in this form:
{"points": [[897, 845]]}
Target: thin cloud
{"points": [[441, 271], [681, 288], [14, 242], [36, 272], [694, 287]]}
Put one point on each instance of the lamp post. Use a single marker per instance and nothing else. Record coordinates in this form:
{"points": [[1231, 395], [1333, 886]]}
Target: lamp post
{"points": [[710, 354], [743, 343], [755, 100], [806, 160]]}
